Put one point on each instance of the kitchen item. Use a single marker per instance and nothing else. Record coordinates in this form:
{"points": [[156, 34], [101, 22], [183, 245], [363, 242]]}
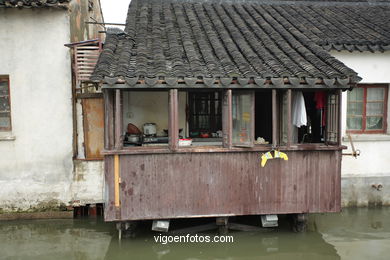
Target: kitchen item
{"points": [[185, 142], [150, 129], [133, 138], [204, 135], [155, 139], [194, 134], [132, 129]]}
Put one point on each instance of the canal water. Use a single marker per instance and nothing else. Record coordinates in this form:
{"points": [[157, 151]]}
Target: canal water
{"points": [[352, 234]]}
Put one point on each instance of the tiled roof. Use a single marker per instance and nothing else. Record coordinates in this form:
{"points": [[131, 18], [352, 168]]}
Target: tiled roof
{"points": [[220, 40], [32, 3]]}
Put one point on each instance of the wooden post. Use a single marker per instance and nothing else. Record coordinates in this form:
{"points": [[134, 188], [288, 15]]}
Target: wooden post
{"points": [[253, 105], [222, 223], [274, 118], [289, 121], [173, 129], [116, 180], [108, 119], [118, 119], [339, 113], [227, 121]]}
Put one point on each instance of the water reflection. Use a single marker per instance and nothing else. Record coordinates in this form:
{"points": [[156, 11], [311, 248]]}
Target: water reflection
{"points": [[353, 234], [357, 233], [275, 245]]}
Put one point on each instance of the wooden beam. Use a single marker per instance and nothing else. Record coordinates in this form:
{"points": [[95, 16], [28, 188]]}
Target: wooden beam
{"points": [[108, 119], [118, 119], [196, 229], [142, 86], [227, 121], [88, 95], [274, 118], [253, 108], [173, 128], [289, 121], [339, 115], [116, 180]]}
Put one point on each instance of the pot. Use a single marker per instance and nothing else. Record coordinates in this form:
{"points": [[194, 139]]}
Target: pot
{"points": [[133, 138], [150, 129]]}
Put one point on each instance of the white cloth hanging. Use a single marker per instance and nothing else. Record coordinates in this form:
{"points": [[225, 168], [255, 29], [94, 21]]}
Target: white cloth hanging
{"points": [[299, 117]]}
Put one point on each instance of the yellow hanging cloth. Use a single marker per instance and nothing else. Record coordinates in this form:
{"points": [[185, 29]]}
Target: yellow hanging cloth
{"points": [[265, 157]]}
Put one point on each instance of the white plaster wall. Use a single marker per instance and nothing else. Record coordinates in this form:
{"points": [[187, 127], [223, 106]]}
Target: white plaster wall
{"points": [[372, 67], [375, 148], [88, 182], [151, 107], [36, 167]]}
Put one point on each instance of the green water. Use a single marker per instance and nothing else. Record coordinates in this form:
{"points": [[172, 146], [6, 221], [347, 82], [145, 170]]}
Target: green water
{"points": [[352, 234]]}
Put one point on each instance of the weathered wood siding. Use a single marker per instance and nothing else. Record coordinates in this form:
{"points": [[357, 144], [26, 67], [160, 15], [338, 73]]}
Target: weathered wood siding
{"points": [[159, 186]]}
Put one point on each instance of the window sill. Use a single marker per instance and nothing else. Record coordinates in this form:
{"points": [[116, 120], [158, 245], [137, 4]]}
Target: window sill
{"points": [[7, 137], [367, 137], [220, 149]]}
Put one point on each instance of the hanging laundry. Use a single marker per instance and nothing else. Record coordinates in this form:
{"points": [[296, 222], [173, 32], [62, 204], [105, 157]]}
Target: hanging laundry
{"points": [[278, 154], [320, 99], [299, 117], [265, 157]]}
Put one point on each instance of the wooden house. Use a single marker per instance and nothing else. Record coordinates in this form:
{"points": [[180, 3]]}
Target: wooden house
{"points": [[244, 80]]}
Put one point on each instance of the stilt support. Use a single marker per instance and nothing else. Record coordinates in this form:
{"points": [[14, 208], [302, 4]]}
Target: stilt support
{"points": [[222, 223], [300, 222], [126, 229]]}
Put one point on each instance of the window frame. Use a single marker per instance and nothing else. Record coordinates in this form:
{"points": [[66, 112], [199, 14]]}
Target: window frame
{"points": [[213, 115], [5, 78], [364, 113]]}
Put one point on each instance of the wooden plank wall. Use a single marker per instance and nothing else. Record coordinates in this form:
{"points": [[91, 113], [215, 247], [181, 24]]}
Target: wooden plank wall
{"points": [[212, 184]]}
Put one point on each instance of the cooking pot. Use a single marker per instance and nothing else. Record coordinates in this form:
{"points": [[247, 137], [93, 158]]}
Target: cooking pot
{"points": [[132, 138], [150, 129]]}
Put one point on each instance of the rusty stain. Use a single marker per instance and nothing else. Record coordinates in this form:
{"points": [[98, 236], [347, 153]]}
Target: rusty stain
{"points": [[93, 112]]}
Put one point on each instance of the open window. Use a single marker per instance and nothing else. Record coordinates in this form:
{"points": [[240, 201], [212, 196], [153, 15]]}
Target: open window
{"points": [[203, 117], [145, 118], [263, 117], [315, 116]]}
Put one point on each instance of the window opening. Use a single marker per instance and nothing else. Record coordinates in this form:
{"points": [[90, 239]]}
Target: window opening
{"points": [[5, 105], [367, 109], [263, 117], [204, 117]]}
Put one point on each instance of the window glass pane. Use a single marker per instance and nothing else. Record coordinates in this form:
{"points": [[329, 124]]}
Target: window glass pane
{"points": [[3, 88], [375, 94], [374, 109], [5, 120], [242, 119], [354, 123], [356, 94], [374, 123], [355, 108], [4, 104]]}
